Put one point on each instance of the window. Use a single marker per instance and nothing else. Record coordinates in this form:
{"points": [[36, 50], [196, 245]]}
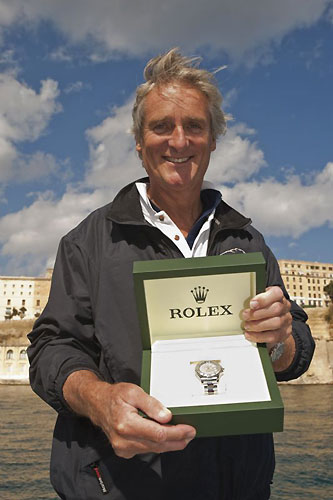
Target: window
{"points": [[23, 354], [10, 354], [22, 286], [38, 303], [13, 286], [8, 302], [23, 302]]}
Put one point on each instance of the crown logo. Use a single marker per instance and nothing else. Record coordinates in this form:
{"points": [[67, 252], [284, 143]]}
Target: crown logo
{"points": [[200, 293]]}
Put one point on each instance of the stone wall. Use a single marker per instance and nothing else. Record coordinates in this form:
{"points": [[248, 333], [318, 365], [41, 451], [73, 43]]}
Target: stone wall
{"points": [[321, 368], [14, 366]]}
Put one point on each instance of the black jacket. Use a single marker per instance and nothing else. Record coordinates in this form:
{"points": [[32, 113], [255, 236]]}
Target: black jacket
{"points": [[90, 322]]}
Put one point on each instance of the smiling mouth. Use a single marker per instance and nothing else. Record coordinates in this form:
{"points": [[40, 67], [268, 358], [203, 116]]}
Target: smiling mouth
{"points": [[178, 160]]}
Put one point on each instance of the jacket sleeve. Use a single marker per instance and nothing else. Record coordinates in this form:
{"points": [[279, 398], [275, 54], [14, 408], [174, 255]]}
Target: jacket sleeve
{"points": [[301, 332], [63, 340]]}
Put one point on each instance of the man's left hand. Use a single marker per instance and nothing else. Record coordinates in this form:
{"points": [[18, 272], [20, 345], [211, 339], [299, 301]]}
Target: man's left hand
{"points": [[268, 319]]}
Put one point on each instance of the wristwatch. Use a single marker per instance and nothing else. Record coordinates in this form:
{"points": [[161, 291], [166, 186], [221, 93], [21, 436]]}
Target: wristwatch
{"points": [[209, 373], [276, 352]]}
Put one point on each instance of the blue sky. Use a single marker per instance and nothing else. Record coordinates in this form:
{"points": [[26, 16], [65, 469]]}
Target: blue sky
{"points": [[68, 71]]}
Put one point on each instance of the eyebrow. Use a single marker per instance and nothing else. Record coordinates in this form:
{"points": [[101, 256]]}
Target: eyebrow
{"points": [[156, 121]]}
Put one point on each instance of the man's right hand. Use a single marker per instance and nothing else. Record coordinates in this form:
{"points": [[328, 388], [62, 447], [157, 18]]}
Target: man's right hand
{"points": [[114, 408]]}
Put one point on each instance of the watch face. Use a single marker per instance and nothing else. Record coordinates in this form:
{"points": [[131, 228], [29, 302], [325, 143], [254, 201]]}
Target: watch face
{"points": [[208, 369]]}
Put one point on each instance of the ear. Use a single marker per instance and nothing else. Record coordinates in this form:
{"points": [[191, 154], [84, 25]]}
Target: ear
{"points": [[138, 148], [213, 145]]}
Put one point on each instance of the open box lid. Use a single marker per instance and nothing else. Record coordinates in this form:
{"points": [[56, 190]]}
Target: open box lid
{"points": [[195, 297]]}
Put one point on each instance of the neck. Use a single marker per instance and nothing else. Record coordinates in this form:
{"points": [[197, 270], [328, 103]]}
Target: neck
{"points": [[183, 208]]}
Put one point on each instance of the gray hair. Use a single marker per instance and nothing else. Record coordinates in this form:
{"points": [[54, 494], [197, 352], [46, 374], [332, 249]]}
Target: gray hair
{"points": [[174, 67]]}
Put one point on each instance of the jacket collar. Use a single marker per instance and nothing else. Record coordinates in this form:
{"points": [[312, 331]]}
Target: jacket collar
{"points": [[126, 209]]}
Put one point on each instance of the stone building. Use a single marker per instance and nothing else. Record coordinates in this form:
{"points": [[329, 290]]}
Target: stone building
{"points": [[14, 365], [23, 297], [305, 281]]}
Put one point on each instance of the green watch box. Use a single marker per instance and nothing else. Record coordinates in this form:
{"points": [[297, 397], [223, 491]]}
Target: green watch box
{"points": [[196, 359]]}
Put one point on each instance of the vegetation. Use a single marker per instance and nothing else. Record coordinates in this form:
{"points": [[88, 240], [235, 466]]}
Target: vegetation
{"points": [[15, 329], [329, 315], [328, 289]]}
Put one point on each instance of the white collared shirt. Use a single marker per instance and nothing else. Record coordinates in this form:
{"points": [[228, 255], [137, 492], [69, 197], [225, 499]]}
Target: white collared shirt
{"points": [[162, 221]]}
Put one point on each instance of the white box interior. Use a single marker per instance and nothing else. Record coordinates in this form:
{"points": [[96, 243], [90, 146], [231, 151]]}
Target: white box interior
{"points": [[174, 383]]}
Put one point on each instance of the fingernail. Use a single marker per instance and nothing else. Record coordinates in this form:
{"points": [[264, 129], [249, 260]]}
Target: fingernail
{"points": [[164, 413], [190, 436], [254, 304]]}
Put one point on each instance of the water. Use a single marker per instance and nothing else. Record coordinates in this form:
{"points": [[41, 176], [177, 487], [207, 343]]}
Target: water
{"points": [[304, 450]]}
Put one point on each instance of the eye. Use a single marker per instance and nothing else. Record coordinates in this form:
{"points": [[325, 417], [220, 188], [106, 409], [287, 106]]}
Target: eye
{"points": [[161, 128], [195, 127]]}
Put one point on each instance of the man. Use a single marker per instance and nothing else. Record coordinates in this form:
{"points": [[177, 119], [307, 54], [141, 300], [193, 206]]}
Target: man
{"points": [[86, 349]]}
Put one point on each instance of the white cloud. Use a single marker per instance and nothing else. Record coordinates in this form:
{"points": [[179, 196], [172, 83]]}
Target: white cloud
{"points": [[236, 158], [245, 30], [60, 54], [30, 236], [113, 161], [24, 116], [39, 166], [288, 208], [76, 87]]}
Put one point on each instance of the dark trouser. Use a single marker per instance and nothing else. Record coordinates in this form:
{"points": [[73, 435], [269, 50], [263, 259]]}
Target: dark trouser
{"points": [[208, 469]]}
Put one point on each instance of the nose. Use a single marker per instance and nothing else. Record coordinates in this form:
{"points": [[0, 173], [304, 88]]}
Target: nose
{"points": [[178, 139]]}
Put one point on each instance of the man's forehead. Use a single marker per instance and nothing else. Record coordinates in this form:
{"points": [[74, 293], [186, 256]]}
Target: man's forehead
{"points": [[189, 99]]}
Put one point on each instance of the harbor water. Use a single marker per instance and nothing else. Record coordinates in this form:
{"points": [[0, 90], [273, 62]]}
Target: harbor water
{"points": [[303, 451]]}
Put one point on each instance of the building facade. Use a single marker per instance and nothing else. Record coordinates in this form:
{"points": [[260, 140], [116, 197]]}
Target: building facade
{"points": [[305, 281], [23, 297], [14, 364]]}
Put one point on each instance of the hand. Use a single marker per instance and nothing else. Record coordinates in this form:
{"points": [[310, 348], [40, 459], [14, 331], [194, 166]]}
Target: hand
{"points": [[268, 319], [114, 408]]}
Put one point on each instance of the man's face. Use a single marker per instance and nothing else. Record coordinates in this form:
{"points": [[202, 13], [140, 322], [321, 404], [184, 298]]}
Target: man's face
{"points": [[177, 141]]}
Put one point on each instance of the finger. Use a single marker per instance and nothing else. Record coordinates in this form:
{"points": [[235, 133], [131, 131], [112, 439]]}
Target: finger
{"points": [[138, 398], [265, 299], [269, 336], [128, 449], [269, 323], [142, 429], [275, 309]]}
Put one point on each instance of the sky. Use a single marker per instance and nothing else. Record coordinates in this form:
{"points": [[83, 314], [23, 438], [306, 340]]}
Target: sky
{"points": [[68, 74]]}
